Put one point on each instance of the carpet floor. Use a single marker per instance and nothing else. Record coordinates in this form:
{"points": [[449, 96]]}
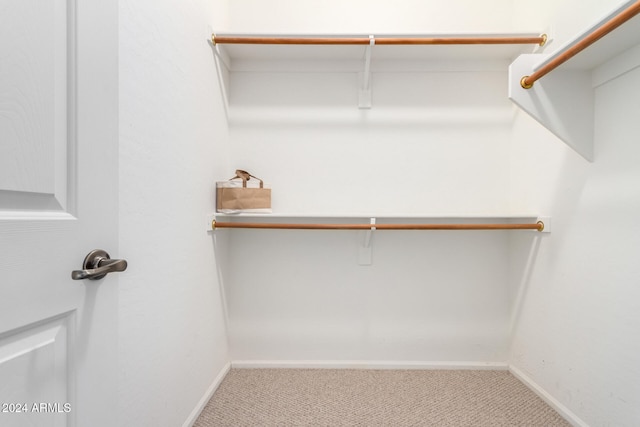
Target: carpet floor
{"points": [[337, 397]]}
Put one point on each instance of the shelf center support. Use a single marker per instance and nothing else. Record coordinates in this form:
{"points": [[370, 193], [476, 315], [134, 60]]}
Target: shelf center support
{"points": [[364, 251], [364, 94]]}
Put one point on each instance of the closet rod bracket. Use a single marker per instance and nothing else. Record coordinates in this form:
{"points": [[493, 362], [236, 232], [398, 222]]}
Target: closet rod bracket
{"points": [[366, 250], [369, 235], [364, 93], [210, 222], [544, 223]]}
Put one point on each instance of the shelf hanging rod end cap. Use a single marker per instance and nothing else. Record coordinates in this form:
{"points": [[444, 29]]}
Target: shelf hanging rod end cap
{"points": [[540, 226], [213, 39], [213, 224], [525, 84], [544, 39]]}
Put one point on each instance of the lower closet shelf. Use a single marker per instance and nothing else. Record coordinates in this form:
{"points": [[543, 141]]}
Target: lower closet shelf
{"points": [[351, 222]]}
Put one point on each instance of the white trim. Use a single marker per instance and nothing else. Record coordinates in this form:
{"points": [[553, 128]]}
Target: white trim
{"points": [[565, 412], [366, 364], [9, 215], [207, 396]]}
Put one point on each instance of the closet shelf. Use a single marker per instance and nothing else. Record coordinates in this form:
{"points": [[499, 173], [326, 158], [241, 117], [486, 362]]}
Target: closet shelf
{"points": [[240, 48], [453, 216], [378, 40], [365, 54], [367, 225], [561, 98], [371, 222]]}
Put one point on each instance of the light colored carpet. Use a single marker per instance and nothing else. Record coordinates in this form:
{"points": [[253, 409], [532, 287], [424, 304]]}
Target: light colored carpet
{"points": [[328, 397]]}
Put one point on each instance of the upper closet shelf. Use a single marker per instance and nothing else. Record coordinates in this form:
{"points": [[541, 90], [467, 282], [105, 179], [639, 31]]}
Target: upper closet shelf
{"points": [[365, 54], [557, 89], [242, 48]]}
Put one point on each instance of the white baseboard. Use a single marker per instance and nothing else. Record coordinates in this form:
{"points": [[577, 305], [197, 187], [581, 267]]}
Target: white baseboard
{"points": [[207, 396], [365, 364], [550, 400]]}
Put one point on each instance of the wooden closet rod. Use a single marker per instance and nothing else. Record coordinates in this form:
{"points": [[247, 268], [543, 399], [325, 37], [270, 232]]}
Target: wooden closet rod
{"points": [[528, 81], [539, 40], [537, 226]]}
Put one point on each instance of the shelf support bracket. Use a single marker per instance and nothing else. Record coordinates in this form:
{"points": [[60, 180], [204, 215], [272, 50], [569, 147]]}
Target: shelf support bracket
{"points": [[364, 94], [562, 102]]}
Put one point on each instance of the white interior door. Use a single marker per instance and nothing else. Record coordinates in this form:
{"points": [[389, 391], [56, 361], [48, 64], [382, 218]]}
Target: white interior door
{"points": [[58, 201]]}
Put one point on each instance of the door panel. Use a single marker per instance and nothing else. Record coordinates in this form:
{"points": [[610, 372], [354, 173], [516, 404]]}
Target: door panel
{"points": [[35, 369], [35, 106], [58, 201]]}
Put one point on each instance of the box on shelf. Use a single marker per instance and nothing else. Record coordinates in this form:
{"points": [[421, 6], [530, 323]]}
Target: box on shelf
{"points": [[241, 194]]}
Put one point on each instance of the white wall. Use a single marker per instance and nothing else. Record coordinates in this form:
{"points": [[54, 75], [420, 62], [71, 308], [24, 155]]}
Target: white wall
{"points": [[173, 145], [574, 291], [403, 16], [300, 296], [428, 297], [434, 143], [577, 290]]}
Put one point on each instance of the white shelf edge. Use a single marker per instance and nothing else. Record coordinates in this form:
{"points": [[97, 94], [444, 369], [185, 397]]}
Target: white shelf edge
{"points": [[530, 33], [561, 101], [378, 216]]}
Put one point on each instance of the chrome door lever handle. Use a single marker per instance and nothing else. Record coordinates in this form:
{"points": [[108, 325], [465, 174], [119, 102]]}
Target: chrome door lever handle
{"points": [[98, 264]]}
